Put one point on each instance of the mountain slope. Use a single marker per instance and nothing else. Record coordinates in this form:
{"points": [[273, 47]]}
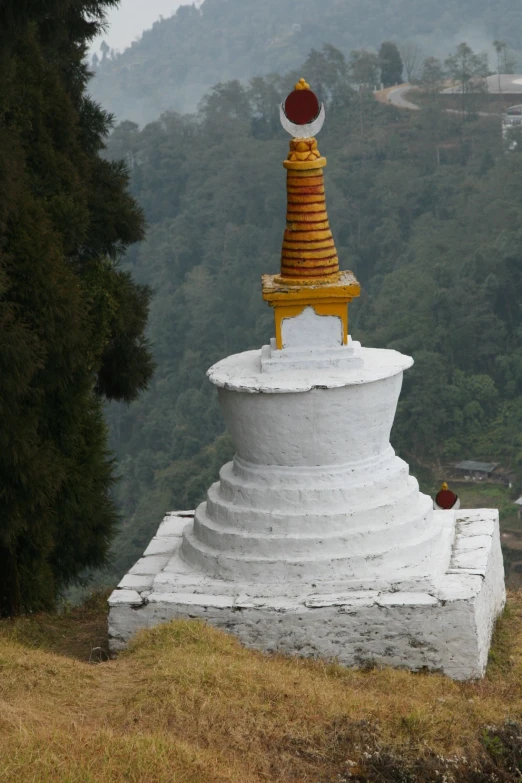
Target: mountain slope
{"points": [[175, 62]]}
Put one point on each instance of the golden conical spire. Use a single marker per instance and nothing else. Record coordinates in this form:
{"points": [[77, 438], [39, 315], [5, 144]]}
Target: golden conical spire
{"points": [[309, 253], [310, 275]]}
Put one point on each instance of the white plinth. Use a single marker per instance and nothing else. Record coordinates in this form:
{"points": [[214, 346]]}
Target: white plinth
{"points": [[446, 629], [311, 358], [316, 540]]}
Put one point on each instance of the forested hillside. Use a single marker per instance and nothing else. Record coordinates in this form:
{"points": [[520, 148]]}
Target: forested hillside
{"points": [[425, 209], [180, 58]]}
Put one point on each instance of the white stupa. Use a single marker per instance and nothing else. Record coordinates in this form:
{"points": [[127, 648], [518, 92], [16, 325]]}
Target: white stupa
{"points": [[316, 540]]}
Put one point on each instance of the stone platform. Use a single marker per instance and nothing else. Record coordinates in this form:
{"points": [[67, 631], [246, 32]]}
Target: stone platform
{"points": [[443, 625]]}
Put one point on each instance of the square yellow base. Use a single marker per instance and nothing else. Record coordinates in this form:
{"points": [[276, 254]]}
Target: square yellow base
{"points": [[330, 298]]}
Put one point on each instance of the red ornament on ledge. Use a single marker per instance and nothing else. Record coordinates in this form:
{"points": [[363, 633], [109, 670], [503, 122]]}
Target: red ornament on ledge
{"points": [[445, 499], [302, 106]]}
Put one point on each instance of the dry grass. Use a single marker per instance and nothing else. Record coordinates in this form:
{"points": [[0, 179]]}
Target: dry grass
{"points": [[187, 704]]}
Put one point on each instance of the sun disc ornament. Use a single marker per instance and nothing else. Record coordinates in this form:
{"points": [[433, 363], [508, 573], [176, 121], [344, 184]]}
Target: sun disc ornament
{"points": [[445, 499], [301, 114]]}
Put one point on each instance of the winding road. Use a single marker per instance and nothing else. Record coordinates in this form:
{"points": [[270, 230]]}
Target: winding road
{"points": [[396, 98]]}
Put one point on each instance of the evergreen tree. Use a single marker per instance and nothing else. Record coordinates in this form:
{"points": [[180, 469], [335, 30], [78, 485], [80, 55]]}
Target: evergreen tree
{"points": [[105, 49], [468, 70], [71, 321], [364, 68], [432, 76], [411, 56], [390, 63], [500, 48]]}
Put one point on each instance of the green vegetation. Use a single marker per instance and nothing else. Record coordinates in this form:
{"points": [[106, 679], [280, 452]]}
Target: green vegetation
{"points": [[187, 703], [390, 64], [467, 71], [492, 103], [473, 495], [71, 322], [478, 494], [176, 62]]}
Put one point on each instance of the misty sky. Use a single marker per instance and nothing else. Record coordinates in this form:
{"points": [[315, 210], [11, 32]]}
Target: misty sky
{"points": [[132, 17]]}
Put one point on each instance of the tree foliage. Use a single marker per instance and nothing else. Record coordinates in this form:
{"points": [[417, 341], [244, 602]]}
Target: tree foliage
{"points": [[432, 75], [364, 69], [65, 217], [468, 70], [390, 64], [411, 55]]}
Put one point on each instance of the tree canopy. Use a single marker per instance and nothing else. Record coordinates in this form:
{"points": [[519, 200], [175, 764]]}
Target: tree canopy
{"points": [[72, 321], [390, 64], [468, 71]]}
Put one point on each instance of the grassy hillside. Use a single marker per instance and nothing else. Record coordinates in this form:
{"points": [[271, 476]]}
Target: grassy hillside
{"points": [[187, 704], [180, 58]]}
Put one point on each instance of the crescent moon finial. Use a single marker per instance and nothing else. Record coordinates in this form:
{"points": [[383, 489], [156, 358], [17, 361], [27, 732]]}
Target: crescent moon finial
{"points": [[302, 131]]}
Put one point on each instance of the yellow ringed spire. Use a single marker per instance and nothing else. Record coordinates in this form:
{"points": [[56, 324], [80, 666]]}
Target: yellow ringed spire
{"points": [[309, 274]]}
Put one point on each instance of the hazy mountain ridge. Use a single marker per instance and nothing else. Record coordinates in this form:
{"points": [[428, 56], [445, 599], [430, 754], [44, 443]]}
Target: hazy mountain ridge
{"points": [[180, 58]]}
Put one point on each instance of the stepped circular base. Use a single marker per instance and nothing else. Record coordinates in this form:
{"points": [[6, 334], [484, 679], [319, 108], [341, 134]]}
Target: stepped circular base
{"points": [[315, 491]]}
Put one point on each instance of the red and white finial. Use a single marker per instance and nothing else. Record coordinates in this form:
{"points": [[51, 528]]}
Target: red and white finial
{"points": [[301, 115]]}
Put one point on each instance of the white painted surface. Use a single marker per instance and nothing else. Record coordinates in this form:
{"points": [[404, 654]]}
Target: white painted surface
{"points": [[315, 491], [242, 372], [447, 628], [309, 329], [454, 508], [316, 540], [307, 131], [311, 358]]}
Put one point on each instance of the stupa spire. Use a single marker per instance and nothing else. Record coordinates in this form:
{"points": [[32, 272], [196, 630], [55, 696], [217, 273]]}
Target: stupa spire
{"points": [[308, 252], [309, 278]]}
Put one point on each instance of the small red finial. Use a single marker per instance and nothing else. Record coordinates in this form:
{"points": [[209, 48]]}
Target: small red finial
{"points": [[302, 106], [445, 499]]}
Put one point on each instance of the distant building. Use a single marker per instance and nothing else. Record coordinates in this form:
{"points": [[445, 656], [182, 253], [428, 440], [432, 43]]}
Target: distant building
{"points": [[476, 470], [519, 504], [512, 118]]}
